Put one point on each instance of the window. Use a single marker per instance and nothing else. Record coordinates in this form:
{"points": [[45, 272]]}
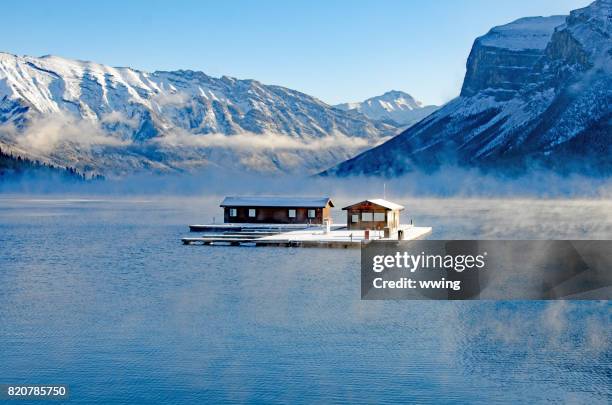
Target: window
{"points": [[291, 213], [311, 213], [367, 216], [355, 218], [379, 216], [252, 213], [233, 212]]}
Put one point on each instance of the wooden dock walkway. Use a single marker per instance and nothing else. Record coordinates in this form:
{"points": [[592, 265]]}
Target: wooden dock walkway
{"points": [[269, 242], [318, 237]]}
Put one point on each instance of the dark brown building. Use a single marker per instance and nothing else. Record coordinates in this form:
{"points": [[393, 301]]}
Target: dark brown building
{"points": [[276, 210], [373, 214]]}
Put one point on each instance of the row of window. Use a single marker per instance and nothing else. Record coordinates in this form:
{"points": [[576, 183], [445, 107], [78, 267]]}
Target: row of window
{"points": [[233, 212], [311, 213], [369, 217]]}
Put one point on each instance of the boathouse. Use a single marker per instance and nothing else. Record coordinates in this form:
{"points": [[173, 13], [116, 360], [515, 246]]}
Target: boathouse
{"points": [[277, 210], [373, 214]]}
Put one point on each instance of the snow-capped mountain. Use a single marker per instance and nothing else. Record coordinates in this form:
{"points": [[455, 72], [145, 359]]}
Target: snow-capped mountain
{"points": [[101, 118], [537, 93], [394, 107]]}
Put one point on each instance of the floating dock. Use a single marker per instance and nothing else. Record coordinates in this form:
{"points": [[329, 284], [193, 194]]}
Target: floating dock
{"points": [[338, 236]]}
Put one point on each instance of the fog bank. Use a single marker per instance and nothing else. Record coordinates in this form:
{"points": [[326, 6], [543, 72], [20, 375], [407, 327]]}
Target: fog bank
{"points": [[447, 182]]}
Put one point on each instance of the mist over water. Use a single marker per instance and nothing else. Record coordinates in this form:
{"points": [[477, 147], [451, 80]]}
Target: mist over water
{"points": [[99, 293], [446, 182]]}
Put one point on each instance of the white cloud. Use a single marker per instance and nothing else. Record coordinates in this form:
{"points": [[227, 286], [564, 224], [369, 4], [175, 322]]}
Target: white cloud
{"points": [[165, 99], [266, 141], [118, 117], [45, 134]]}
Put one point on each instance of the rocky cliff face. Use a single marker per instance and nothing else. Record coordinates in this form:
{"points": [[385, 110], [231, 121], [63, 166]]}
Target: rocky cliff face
{"points": [[537, 94], [97, 117], [508, 57]]}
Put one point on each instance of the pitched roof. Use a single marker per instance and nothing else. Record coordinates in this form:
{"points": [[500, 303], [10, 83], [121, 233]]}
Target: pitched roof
{"points": [[379, 201], [259, 201]]}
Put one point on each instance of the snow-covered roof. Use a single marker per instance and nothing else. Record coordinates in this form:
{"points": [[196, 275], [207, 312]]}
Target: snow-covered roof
{"points": [[259, 201], [524, 33], [379, 201]]}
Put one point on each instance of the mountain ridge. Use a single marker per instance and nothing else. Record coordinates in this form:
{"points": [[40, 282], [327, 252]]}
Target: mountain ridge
{"points": [[121, 119]]}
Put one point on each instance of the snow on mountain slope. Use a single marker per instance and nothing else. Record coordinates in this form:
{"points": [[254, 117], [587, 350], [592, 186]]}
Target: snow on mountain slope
{"points": [[537, 94], [97, 117], [394, 106]]}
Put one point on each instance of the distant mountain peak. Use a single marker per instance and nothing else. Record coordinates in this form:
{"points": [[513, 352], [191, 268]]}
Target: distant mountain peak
{"points": [[392, 106], [397, 93], [397, 98]]}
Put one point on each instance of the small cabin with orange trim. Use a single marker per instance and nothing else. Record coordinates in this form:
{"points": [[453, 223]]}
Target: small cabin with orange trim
{"points": [[373, 214]]}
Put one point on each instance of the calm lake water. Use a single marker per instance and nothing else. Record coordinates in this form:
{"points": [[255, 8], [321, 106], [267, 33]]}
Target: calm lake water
{"points": [[101, 295]]}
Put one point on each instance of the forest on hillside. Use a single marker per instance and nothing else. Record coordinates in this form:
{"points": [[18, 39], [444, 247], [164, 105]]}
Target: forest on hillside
{"points": [[15, 167]]}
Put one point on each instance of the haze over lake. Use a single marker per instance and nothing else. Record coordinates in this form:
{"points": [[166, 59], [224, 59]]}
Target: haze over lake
{"points": [[100, 294]]}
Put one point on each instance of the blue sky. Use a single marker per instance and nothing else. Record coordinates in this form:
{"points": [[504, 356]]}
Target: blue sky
{"points": [[335, 50]]}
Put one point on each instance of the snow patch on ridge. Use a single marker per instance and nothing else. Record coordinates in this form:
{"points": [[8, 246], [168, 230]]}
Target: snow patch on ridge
{"points": [[524, 33]]}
